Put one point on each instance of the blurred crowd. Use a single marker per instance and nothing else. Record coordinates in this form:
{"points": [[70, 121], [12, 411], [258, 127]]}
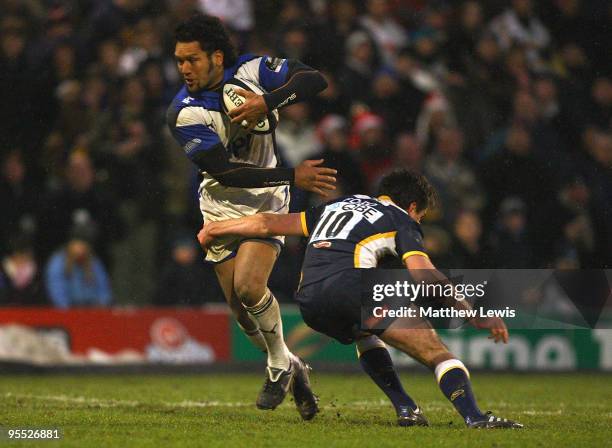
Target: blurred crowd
{"points": [[504, 104]]}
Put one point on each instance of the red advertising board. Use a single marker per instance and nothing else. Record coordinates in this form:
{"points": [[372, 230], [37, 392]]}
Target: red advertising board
{"points": [[175, 335]]}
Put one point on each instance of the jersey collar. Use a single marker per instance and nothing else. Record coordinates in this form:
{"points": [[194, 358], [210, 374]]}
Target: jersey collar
{"points": [[385, 198]]}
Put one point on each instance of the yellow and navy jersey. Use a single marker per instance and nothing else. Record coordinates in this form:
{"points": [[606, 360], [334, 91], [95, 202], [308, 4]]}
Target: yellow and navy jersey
{"points": [[356, 232]]}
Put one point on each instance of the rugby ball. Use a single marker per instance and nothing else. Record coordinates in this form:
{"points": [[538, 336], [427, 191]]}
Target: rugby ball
{"points": [[231, 100]]}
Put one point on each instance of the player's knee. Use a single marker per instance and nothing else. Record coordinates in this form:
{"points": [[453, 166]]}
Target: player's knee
{"points": [[430, 350], [443, 356], [241, 315], [434, 357], [249, 292], [368, 343]]}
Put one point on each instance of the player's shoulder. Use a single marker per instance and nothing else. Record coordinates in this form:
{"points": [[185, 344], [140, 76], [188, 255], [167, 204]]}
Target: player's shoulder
{"points": [[175, 107], [350, 199], [271, 62], [248, 57], [246, 64], [398, 216], [263, 71], [363, 201], [186, 101]]}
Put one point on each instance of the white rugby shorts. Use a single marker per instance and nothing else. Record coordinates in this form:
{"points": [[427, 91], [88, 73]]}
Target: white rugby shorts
{"points": [[220, 203]]}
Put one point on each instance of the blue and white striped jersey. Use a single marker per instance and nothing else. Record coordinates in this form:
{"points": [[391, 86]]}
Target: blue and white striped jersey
{"points": [[198, 123]]}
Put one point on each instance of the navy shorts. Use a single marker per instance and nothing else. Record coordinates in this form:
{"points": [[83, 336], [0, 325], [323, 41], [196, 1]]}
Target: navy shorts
{"points": [[333, 306]]}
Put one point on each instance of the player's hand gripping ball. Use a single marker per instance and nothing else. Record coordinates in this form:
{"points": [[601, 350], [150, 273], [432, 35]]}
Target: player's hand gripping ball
{"points": [[242, 102]]}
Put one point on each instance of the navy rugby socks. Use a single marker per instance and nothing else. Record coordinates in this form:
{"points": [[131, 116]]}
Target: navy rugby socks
{"points": [[377, 363], [454, 381]]}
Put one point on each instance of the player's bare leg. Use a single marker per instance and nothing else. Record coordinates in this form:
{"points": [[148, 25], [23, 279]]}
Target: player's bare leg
{"points": [[253, 265], [424, 345], [225, 275], [252, 268]]}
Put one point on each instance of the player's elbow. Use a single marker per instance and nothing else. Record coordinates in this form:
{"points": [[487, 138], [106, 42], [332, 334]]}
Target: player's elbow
{"points": [[321, 83], [263, 224], [420, 275], [420, 268]]}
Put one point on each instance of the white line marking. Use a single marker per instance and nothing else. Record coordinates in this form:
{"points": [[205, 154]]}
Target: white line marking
{"points": [[77, 400], [206, 404], [110, 403], [362, 404]]}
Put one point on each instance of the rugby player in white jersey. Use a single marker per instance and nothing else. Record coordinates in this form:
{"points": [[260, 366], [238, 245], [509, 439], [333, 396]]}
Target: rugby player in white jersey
{"points": [[241, 177]]}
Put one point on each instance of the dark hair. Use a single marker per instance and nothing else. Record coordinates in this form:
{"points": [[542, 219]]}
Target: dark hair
{"points": [[405, 187], [210, 33]]}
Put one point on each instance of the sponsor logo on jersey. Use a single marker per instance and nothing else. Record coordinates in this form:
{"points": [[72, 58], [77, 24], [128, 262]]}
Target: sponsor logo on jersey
{"points": [[187, 100], [191, 144], [274, 64], [322, 245], [289, 98]]}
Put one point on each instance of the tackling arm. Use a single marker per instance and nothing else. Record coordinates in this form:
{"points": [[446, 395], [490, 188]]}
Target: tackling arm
{"points": [[260, 225]]}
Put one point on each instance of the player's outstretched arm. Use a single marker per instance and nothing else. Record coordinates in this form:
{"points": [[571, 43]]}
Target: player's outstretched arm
{"points": [[422, 270], [205, 149], [260, 225], [309, 175]]}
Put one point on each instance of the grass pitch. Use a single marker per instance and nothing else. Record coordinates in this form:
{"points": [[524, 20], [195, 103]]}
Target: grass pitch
{"points": [[218, 410]]}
